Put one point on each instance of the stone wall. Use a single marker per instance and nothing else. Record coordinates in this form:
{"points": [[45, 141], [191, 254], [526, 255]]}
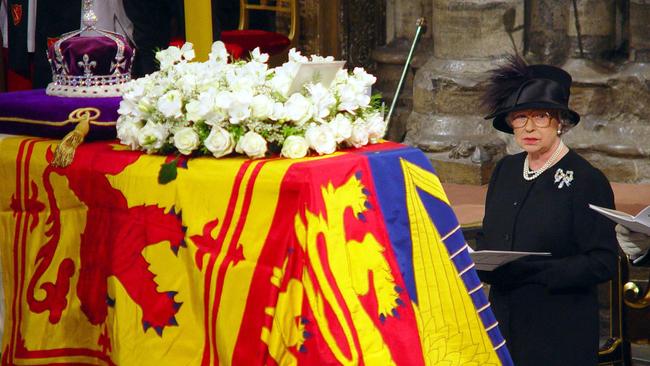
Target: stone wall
{"points": [[604, 44]]}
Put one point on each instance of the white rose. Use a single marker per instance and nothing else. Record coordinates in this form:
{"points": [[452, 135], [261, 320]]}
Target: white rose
{"points": [[239, 109], [201, 108], [363, 98], [157, 89], [145, 106], [355, 91], [255, 73], [341, 77], [219, 142], [280, 82], [186, 140], [215, 117], [170, 104], [129, 107], [258, 56], [187, 51], [278, 112], [363, 77], [219, 53], [322, 100], [152, 136], [240, 81], [128, 130], [342, 127], [294, 147], [359, 135], [348, 98], [262, 107], [193, 109], [224, 99], [187, 83], [299, 109], [168, 57], [252, 144], [295, 56], [321, 139], [376, 127], [135, 89]]}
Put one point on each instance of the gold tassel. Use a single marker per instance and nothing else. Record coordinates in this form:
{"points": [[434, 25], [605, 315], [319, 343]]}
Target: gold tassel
{"points": [[64, 153]]}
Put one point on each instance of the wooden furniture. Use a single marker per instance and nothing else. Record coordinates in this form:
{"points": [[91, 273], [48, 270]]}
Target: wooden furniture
{"points": [[637, 302], [615, 350]]}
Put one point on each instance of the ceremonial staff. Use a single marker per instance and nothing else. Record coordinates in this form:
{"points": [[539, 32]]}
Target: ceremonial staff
{"points": [[421, 28]]}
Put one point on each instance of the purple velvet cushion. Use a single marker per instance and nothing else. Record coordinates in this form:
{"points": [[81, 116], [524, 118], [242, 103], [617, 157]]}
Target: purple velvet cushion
{"points": [[34, 113]]}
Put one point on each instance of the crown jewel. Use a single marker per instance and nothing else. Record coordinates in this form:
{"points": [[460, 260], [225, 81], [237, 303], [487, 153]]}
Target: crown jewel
{"points": [[89, 62]]}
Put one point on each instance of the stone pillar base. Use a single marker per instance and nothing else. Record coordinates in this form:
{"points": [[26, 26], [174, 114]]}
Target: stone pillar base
{"points": [[390, 61], [446, 121], [460, 171], [613, 133]]}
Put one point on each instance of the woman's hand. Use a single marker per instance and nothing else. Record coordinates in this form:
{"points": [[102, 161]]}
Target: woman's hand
{"points": [[634, 244]]}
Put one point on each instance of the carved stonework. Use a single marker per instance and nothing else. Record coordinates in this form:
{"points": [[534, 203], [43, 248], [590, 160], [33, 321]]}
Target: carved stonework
{"points": [[401, 19], [603, 44], [364, 28], [547, 40], [446, 121], [592, 31]]}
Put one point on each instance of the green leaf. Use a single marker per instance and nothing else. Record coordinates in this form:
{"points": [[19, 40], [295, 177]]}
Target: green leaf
{"points": [[376, 100], [290, 131], [168, 172], [202, 129], [237, 131]]}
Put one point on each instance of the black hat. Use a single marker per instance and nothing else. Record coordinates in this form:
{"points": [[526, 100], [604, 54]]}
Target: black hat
{"points": [[517, 86]]}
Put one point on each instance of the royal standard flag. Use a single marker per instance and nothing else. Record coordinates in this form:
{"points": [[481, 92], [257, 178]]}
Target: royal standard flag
{"points": [[351, 259]]}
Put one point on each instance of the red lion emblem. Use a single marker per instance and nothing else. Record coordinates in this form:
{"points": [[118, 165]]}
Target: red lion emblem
{"points": [[111, 243]]}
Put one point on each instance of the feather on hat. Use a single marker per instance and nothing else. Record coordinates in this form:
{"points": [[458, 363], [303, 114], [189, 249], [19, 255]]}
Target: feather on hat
{"points": [[517, 86]]}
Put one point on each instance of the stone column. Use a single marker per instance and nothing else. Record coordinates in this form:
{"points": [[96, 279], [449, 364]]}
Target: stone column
{"points": [[404, 15], [596, 23], [469, 38], [547, 40], [611, 95], [640, 30], [401, 17]]}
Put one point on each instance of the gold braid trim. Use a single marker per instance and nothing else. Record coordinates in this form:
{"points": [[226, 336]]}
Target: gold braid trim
{"points": [[54, 124], [64, 153]]}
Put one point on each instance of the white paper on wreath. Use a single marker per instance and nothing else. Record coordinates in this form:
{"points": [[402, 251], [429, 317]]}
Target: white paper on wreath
{"points": [[315, 73]]}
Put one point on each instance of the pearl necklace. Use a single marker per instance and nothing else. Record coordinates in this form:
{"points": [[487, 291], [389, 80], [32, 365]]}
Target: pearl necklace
{"points": [[532, 174]]}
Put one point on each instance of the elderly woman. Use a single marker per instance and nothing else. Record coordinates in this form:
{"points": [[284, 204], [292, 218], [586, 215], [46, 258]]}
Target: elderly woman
{"points": [[537, 201]]}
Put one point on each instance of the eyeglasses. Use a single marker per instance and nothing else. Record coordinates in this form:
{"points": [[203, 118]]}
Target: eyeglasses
{"points": [[540, 119]]}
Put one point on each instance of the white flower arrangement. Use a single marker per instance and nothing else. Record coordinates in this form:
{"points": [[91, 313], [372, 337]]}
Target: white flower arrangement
{"points": [[219, 107]]}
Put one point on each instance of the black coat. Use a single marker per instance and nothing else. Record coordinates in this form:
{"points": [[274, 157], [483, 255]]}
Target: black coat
{"points": [[548, 308]]}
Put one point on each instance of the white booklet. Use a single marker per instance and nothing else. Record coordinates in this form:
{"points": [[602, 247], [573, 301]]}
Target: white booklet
{"points": [[488, 260], [639, 223]]}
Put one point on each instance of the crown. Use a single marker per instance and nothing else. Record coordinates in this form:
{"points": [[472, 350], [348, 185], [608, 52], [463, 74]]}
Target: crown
{"points": [[90, 62]]}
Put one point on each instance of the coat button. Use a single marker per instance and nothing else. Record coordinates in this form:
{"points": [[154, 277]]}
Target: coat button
{"points": [[515, 203]]}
